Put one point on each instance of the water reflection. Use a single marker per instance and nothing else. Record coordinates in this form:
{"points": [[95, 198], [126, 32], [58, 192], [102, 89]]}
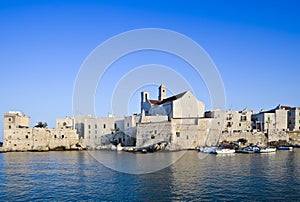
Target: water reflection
{"points": [[77, 176], [136, 163]]}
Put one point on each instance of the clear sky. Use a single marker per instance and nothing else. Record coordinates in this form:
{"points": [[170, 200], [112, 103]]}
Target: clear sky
{"points": [[254, 44]]}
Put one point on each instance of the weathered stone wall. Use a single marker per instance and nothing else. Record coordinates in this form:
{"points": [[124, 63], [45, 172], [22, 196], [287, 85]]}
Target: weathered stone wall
{"points": [[41, 139]]}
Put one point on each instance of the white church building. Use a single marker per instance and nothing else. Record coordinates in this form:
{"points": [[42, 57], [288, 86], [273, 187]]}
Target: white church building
{"points": [[178, 120]]}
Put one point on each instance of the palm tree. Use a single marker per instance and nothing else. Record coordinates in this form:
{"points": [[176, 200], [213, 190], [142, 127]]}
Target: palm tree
{"points": [[40, 124]]}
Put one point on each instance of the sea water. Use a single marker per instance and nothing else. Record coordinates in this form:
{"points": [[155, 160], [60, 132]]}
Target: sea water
{"points": [[78, 176]]}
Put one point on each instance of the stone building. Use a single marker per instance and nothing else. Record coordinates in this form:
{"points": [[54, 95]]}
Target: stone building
{"points": [[183, 105], [18, 136], [294, 119], [178, 120], [271, 121], [98, 132], [232, 121]]}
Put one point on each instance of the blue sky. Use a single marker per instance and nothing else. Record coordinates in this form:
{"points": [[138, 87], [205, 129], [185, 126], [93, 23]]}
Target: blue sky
{"points": [[254, 44]]}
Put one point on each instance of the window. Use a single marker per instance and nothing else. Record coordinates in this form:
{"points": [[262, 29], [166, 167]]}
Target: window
{"points": [[9, 119], [89, 132], [177, 134], [229, 124], [96, 126], [187, 137], [62, 136], [95, 132], [155, 131], [9, 126], [104, 126], [152, 136], [95, 137], [240, 124], [89, 126], [116, 126], [127, 124], [26, 136], [243, 118], [55, 136]]}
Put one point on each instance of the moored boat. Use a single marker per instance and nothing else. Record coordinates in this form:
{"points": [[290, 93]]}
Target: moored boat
{"points": [[285, 148], [246, 150], [225, 151], [267, 150], [209, 150]]}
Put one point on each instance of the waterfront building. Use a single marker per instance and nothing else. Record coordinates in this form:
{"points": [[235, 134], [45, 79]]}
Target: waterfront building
{"points": [[232, 121], [178, 120], [183, 105], [294, 119], [98, 132], [18, 136], [271, 121]]}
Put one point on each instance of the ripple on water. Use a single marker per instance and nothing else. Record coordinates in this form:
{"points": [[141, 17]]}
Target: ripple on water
{"points": [[76, 176]]}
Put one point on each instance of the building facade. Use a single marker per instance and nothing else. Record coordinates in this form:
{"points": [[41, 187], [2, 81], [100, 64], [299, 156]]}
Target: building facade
{"points": [[294, 119], [18, 136]]}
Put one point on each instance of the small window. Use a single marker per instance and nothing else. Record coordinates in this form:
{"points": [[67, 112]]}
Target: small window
{"points": [[62, 136], [95, 132], [9, 119], [104, 126], [26, 136], [243, 118], [240, 124], [178, 134], [187, 137], [127, 124], [95, 137], [95, 126], [9, 126], [116, 126], [15, 145], [155, 132], [55, 136], [229, 124], [89, 132], [89, 126], [152, 136]]}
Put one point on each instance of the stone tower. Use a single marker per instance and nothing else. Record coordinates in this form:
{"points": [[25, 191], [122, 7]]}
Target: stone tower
{"points": [[16, 119], [162, 92]]}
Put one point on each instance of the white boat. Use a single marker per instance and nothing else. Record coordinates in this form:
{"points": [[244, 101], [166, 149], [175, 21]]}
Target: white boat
{"points": [[267, 150], [225, 151], [285, 148], [210, 150]]}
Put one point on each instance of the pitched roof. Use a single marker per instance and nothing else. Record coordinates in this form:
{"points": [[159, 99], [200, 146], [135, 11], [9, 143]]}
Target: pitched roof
{"points": [[154, 102], [169, 99], [276, 108]]}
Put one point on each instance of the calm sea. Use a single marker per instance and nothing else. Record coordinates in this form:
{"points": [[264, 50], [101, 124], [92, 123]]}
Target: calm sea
{"points": [[77, 176]]}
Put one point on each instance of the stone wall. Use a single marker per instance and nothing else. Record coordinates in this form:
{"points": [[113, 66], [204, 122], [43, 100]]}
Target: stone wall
{"points": [[39, 139]]}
